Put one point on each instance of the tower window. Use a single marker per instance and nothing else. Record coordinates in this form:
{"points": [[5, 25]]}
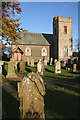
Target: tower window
{"points": [[65, 51], [65, 29]]}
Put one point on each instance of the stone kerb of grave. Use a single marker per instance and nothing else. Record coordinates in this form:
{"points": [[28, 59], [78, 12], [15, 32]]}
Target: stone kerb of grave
{"points": [[31, 92], [11, 70], [58, 67]]}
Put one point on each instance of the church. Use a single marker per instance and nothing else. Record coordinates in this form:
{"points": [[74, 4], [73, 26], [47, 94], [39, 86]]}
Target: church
{"points": [[45, 46]]}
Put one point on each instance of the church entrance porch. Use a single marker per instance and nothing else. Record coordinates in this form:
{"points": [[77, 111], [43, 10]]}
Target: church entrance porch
{"points": [[17, 54]]}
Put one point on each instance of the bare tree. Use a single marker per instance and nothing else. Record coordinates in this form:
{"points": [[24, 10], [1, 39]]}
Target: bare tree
{"points": [[77, 45]]}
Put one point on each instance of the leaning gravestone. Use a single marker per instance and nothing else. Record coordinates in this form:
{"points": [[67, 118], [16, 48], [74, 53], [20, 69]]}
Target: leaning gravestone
{"points": [[22, 66], [39, 67], [74, 67], [11, 70], [32, 62], [57, 67], [31, 91], [51, 61]]}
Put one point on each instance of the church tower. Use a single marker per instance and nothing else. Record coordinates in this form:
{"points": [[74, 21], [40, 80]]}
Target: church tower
{"points": [[62, 38]]}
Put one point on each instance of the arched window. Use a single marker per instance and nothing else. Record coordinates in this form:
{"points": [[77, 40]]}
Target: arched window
{"points": [[44, 51], [28, 51], [65, 51]]}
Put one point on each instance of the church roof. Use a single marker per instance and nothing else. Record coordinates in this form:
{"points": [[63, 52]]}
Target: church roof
{"points": [[49, 38], [32, 39]]}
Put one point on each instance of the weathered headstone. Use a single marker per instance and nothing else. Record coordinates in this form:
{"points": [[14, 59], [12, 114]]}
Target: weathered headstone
{"points": [[57, 67], [74, 67], [55, 61], [51, 61], [31, 91], [28, 62], [16, 62], [1, 63], [22, 67], [45, 62], [32, 62], [39, 67], [11, 70]]}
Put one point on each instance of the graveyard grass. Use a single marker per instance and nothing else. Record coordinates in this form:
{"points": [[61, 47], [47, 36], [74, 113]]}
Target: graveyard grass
{"points": [[61, 99]]}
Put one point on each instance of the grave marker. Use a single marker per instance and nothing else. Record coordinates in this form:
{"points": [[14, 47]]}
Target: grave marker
{"points": [[11, 70], [31, 92], [74, 67], [57, 67], [32, 62], [22, 67], [51, 61]]}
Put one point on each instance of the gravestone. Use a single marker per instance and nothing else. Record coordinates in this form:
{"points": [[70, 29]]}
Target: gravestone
{"points": [[1, 63], [74, 67], [39, 67], [45, 62], [28, 62], [57, 67], [51, 61], [31, 91], [16, 62], [32, 62], [22, 66], [11, 70], [55, 61]]}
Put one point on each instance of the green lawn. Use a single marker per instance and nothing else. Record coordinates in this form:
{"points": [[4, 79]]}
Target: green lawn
{"points": [[61, 99]]}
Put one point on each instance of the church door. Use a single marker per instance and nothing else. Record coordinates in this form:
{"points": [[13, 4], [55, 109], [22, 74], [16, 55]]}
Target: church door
{"points": [[17, 56]]}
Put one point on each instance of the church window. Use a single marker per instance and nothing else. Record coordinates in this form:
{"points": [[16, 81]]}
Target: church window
{"points": [[65, 51], [28, 51], [65, 29], [44, 51]]}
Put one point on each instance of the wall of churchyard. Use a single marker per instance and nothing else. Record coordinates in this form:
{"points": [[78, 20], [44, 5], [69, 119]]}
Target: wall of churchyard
{"points": [[65, 40], [36, 53]]}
